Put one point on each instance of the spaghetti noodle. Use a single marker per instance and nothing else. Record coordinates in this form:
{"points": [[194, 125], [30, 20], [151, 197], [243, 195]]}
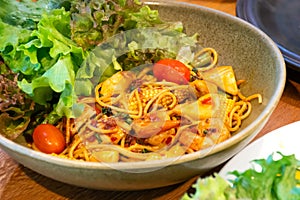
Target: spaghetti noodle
{"points": [[135, 117]]}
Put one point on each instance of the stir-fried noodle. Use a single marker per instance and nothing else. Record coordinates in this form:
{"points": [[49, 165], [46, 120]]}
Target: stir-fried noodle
{"points": [[133, 116]]}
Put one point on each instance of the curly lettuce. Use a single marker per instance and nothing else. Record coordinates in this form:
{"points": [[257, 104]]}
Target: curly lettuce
{"points": [[15, 108], [124, 51], [55, 58], [96, 21], [27, 13], [278, 179], [47, 59]]}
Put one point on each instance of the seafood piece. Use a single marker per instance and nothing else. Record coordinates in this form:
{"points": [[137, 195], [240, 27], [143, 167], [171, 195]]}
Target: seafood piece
{"points": [[117, 84], [224, 78], [85, 116], [209, 132], [200, 109], [191, 140], [200, 87], [109, 156], [207, 106], [161, 138], [156, 123]]}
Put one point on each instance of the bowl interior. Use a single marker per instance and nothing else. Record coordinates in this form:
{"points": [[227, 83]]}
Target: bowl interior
{"points": [[252, 54], [254, 57]]}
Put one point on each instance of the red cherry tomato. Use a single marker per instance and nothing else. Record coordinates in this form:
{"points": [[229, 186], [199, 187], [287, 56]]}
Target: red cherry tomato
{"points": [[171, 70], [48, 139]]}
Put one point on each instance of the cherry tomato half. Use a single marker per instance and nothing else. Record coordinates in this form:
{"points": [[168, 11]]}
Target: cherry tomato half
{"points": [[171, 70], [48, 139]]}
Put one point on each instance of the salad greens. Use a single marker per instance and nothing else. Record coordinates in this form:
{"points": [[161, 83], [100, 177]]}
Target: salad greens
{"points": [[277, 179], [14, 106], [27, 13], [104, 19], [38, 55], [59, 49], [128, 50]]}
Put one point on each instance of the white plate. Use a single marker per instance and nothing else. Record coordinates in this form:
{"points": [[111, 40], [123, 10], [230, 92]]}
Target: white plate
{"points": [[285, 140]]}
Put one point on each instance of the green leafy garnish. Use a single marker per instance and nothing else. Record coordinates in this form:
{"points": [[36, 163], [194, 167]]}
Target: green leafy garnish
{"points": [[47, 42], [277, 179], [27, 13], [60, 49]]}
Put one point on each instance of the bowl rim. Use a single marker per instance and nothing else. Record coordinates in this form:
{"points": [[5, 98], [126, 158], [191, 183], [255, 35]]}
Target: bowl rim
{"points": [[274, 100]]}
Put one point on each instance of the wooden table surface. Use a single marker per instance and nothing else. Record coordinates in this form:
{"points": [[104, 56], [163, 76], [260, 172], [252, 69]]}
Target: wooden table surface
{"points": [[18, 182]]}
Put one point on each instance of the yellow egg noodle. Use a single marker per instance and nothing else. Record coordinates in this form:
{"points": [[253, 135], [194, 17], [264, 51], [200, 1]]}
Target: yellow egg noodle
{"points": [[135, 117]]}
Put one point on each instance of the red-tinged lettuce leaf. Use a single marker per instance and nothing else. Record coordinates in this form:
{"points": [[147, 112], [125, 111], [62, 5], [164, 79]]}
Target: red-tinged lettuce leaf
{"points": [[95, 21], [13, 122], [15, 107]]}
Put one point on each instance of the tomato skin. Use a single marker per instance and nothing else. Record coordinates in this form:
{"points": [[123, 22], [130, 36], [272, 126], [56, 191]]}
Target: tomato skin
{"points": [[207, 101], [171, 70], [48, 139]]}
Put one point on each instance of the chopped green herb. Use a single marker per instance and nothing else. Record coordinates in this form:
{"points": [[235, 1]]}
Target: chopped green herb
{"points": [[106, 111], [98, 138], [145, 151]]}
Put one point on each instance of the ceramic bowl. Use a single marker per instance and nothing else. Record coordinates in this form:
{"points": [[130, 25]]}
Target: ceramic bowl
{"points": [[254, 57]]}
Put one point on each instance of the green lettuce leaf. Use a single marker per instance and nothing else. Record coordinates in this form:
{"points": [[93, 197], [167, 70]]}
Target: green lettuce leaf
{"points": [[271, 179], [130, 49], [96, 21], [48, 60], [144, 17], [276, 180], [27, 13], [10, 38], [49, 56], [209, 188]]}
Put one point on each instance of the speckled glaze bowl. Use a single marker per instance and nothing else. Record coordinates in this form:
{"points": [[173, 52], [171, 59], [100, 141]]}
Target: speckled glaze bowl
{"points": [[254, 58]]}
